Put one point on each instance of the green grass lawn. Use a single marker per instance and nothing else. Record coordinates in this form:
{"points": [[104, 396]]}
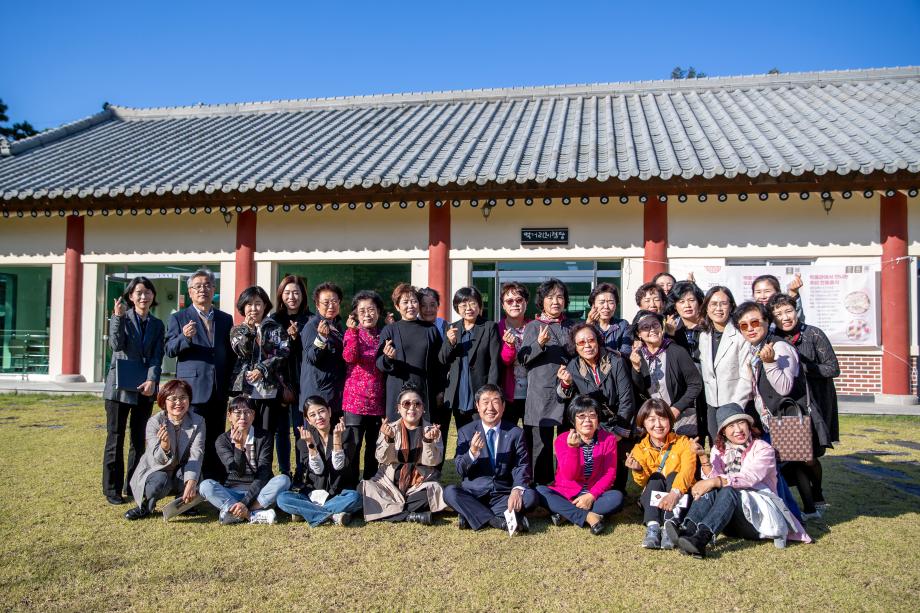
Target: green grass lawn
{"points": [[64, 548]]}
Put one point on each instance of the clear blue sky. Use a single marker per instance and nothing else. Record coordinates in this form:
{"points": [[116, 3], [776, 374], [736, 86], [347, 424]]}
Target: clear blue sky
{"points": [[62, 60]]}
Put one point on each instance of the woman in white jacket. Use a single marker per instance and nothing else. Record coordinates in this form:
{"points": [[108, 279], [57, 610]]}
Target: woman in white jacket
{"points": [[724, 356]]}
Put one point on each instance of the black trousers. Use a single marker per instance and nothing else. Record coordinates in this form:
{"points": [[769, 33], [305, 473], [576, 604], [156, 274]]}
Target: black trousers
{"points": [[624, 446], [118, 416], [214, 412], [540, 441], [160, 484], [656, 483], [415, 503], [365, 430], [514, 411]]}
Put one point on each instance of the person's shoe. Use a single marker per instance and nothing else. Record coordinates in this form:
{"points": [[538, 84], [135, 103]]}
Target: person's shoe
{"points": [[341, 519], [138, 513], [523, 525], [822, 506], [226, 519], [295, 517], [696, 543], [498, 523], [423, 518], [462, 524], [676, 530], [556, 519], [115, 499], [652, 538], [262, 516], [811, 516], [669, 535], [598, 528]]}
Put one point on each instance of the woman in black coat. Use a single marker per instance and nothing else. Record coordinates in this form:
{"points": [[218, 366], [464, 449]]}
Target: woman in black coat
{"points": [[601, 374], [322, 372], [663, 369], [471, 355], [408, 353]]}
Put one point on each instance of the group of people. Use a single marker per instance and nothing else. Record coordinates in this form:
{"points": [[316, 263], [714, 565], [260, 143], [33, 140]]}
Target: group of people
{"points": [[553, 411]]}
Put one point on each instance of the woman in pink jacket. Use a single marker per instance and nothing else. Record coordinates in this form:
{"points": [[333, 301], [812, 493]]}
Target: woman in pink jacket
{"points": [[514, 298], [737, 494], [586, 467], [364, 393]]}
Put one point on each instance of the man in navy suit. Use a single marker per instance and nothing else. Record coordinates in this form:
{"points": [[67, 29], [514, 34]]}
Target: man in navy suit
{"points": [[494, 467], [199, 338]]}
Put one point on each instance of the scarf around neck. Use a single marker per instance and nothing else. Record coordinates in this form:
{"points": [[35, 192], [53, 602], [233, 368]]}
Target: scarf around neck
{"points": [[649, 356], [733, 455], [409, 476]]}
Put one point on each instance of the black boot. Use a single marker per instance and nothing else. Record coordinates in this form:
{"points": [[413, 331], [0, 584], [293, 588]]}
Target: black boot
{"points": [[696, 543], [145, 510], [676, 531], [423, 518]]}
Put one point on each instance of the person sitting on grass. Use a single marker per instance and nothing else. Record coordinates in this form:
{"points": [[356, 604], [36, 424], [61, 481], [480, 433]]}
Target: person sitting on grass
{"points": [[661, 462], [587, 465], [494, 468], [739, 483], [327, 452], [246, 453], [171, 463], [409, 450]]}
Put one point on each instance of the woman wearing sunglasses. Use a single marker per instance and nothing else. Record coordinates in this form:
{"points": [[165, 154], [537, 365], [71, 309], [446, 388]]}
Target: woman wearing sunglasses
{"points": [[409, 450], [514, 297], [663, 369]]}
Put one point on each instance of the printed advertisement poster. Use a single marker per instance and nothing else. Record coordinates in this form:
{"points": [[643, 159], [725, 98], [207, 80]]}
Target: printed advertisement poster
{"points": [[841, 300]]}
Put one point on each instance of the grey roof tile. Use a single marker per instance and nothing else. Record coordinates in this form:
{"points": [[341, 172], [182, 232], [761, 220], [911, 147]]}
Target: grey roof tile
{"points": [[831, 122]]}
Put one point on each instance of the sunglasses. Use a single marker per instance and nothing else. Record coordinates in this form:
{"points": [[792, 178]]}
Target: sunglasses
{"points": [[754, 325], [585, 341], [514, 301]]}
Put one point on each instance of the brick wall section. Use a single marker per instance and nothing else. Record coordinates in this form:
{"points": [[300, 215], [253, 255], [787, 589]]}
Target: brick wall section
{"points": [[860, 375]]}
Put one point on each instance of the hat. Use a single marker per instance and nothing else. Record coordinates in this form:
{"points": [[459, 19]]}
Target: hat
{"points": [[730, 413]]}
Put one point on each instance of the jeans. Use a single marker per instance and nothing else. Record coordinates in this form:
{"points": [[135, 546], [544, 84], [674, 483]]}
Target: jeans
{"points": [[118, 416], [720, 510], [608, 503], [347, 501], [223, 498]]}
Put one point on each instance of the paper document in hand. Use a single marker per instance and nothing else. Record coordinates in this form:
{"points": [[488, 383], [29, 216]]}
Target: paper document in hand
{"points": [[511, 522], [319, 497], [657, 497]]}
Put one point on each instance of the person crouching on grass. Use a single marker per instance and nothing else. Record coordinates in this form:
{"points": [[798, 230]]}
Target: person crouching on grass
{"points": [[327, 453], [661, 462], [246, 453]]}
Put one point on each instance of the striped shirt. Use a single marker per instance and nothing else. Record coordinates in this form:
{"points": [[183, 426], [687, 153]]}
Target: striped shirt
{"points": [[587, 451]]}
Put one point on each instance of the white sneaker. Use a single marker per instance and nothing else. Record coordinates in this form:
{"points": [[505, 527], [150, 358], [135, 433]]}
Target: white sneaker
{"points": [[811, 516], [341, 519], [262, 516]]}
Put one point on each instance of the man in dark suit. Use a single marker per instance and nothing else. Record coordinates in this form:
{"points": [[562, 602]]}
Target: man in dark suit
{"points": [[494, 467], [199, 338]]}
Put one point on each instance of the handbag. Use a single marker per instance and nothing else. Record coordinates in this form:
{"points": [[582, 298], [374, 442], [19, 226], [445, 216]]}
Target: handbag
{"points": [[790, 435], [687, 426]]}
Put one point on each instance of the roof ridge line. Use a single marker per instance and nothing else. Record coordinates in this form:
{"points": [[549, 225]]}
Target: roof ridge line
{"points": [[55, 134], [483, 94]]}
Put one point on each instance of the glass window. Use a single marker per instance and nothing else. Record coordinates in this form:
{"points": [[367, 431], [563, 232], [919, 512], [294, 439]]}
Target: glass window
{"points": [[352, 278], [25, 319]]}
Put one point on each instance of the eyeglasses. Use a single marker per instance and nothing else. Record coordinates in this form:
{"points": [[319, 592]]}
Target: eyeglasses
{"points": [[591, 416], [410, 404], [585, 341], [176, 399], [201, 287], [715, 304], [242, 412], [753, 325], [327, 303], [650, 327], [367, 311], [513, 301], [468, 304]]}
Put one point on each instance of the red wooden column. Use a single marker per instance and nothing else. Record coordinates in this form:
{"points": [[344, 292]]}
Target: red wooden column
{"points": [[439, 254], [895, 299], [245, 254], [73, 300], [655, 230]]}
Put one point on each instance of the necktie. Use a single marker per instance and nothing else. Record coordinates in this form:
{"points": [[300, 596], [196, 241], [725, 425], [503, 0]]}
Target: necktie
{"points": [[490, 441]]}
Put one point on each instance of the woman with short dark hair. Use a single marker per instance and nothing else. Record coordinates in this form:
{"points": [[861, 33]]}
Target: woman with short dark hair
{"points": [[603, 302], [408, 353], [261, 347], [543, 351], [136, 338], [650, 297], [292, 314], [171, 463], [322, 372], [514, 297], [429, 303]]}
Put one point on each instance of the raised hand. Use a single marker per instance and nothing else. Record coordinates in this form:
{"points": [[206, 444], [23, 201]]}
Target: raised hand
{"points": [[670, 324], [508, 338], [432, 433], [337, 433], [120, 307], [292, 330], [795, 285], [696, 448], [451, 335], [573, 439], [632, 463], [323, 328], [767, 354], [543, 337], [477, 444], [305, 435], [389, 350], [594, 316], [238, 436], [390, 318], [163, 435], [564, 375], [188, 330], [351, 322], [691, 277], [387, 430], [635, 358]]}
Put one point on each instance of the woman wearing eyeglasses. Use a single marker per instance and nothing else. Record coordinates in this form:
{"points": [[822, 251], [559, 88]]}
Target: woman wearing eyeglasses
{"points": [[171, 463], [724, 357], [603, 302], [514, 297], [408, 353], [323, 370], [663, 369], [409, 450], [601, 375]]}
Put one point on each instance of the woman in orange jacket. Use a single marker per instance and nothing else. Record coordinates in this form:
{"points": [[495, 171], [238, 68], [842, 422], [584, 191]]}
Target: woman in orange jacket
{"points": [[661, 462]]}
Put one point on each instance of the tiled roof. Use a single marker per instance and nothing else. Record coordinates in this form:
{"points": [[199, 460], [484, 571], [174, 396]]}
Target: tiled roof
{"points": [[828, 122]]}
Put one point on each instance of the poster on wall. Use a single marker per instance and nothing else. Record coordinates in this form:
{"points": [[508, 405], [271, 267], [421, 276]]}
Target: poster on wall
{"points": [[841, 300]]}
